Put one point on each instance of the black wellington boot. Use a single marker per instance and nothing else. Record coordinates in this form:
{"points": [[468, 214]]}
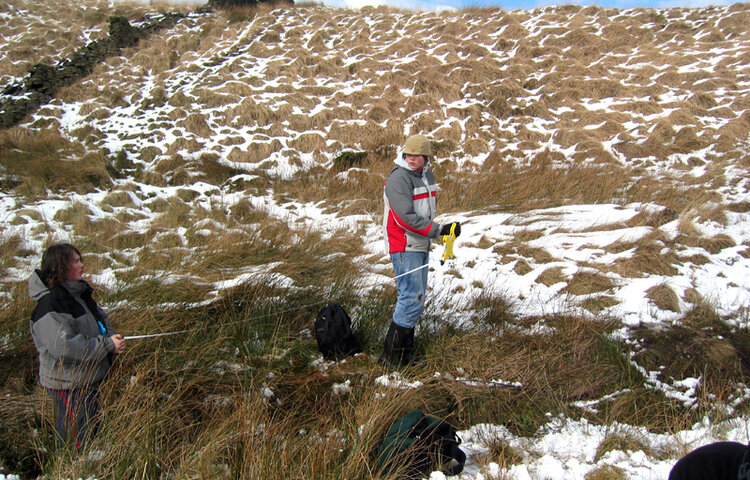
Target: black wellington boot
{"points": [[398, 346], [386, 358], [405, 337]]}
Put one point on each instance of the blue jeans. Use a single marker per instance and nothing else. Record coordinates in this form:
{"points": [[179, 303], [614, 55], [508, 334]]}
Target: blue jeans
{"points": [[411, 287]]}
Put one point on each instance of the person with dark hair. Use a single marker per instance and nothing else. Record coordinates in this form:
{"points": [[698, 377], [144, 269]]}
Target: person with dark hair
{"points": [[74, 339], [410, 198], [715, 461]]}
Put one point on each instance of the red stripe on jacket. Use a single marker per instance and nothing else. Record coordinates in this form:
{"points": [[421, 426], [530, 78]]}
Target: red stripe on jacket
{"points": [[396, 232], [422, 196]]}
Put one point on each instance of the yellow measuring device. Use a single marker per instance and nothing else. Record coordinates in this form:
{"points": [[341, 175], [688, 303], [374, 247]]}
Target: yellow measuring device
{"points": [[448, 241]]}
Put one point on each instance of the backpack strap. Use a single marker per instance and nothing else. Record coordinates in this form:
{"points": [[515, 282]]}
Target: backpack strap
{"points": [[459, 456], [445, 434]]}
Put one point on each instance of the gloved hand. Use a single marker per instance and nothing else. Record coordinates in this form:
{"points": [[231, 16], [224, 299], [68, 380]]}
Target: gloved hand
{"points": [[446, 230]]}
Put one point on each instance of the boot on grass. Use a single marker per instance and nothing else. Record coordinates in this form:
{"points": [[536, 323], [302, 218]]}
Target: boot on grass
{"points": [[398, 348]]}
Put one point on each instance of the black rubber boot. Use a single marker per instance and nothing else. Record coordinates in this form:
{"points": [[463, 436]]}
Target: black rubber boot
{"points": [[386, 358], [398, 348]]}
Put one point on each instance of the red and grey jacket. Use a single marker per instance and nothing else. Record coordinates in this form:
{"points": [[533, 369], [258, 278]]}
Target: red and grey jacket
{"points": [[410, 207], [71, 333]]}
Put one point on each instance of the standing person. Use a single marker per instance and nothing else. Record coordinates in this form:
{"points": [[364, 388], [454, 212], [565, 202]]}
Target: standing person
{"points": [[410, 207], [74, 339]]}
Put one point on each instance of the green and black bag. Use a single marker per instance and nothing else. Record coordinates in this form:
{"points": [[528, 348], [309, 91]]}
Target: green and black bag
{"points": [[418, 444]]}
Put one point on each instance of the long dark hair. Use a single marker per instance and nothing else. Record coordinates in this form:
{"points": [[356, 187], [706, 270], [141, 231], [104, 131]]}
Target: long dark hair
{"points": [[55, 263]]}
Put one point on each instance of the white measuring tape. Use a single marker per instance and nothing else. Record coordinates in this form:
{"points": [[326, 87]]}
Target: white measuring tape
{"points": [[135, 337], [411, 271], [152, 335]]}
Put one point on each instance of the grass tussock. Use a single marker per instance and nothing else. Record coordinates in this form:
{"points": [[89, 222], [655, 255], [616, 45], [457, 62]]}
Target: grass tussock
{"points": [[651, 254], [697, 348], [663, 297], [36, 161], [606, 472], [583, 283], [624, 441]]}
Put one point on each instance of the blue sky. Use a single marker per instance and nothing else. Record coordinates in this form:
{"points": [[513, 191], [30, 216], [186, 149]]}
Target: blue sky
{"points": [[526, 4], [508, 4]]}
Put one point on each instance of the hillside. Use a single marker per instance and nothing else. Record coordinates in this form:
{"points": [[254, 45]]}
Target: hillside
{"points": [[230, 167]]}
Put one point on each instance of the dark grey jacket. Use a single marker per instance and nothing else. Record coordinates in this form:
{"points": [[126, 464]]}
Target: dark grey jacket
{"points": [[71, 333]]}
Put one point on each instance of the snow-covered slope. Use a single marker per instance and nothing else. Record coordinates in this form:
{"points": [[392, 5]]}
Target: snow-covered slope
{"points": [[271, 97]]}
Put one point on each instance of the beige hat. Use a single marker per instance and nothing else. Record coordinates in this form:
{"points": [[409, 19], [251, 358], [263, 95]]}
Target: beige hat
{"points": [[418, 145]]}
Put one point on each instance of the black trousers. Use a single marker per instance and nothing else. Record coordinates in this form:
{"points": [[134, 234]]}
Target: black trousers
{"points": [[76, 414]]}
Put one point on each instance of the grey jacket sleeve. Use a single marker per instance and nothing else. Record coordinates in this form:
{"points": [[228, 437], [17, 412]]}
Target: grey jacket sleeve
{"points": [[53, 333]]}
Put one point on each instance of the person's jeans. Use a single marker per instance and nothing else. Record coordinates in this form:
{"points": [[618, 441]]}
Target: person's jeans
{"points": [[411, 287]]}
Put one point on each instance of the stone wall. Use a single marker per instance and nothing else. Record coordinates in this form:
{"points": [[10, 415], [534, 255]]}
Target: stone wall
{"points": [[43, 81]]}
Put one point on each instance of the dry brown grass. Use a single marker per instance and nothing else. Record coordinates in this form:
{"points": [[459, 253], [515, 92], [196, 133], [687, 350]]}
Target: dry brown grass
{"points": [[255, 152], [45, 159], [606, 472], [308, 142], [696, 348], [552, 276], [540, 185], [625, 441], [196, 123], [457, 73], [712, 245], [545, 365], [664, 298], [585, 282], [11, 247], [598, 303]]}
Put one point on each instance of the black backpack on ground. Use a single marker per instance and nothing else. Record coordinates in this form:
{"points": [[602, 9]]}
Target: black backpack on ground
{"points": [[418, 444], [333, 331]]}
